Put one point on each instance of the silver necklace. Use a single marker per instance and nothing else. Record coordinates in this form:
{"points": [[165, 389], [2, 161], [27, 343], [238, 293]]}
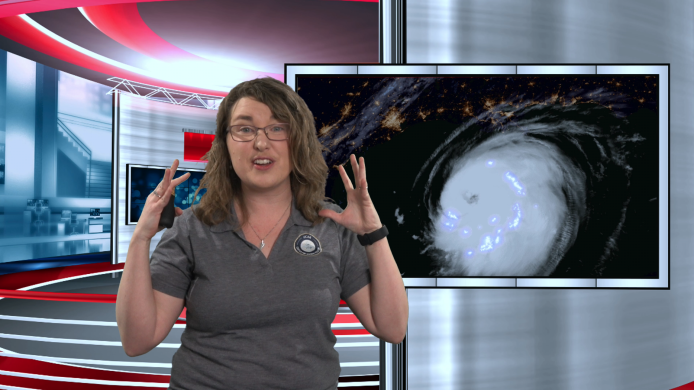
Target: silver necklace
{"points": [[262, 240]]}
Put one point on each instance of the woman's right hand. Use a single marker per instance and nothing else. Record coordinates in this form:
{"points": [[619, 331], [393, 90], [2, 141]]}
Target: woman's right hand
{"points": [[148, 225]]}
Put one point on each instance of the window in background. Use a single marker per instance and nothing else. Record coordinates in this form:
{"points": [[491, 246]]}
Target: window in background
{"points": [[55, 162]]}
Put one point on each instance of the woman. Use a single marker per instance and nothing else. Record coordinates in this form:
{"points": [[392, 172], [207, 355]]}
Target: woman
{"points": [[262, 262]]}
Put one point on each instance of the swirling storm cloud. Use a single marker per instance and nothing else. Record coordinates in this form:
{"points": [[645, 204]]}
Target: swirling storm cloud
{"points": [[490, 221], [507, 176]]}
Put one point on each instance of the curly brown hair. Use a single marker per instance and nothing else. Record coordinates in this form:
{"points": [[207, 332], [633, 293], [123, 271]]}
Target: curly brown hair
{"points": [[310, 170]]}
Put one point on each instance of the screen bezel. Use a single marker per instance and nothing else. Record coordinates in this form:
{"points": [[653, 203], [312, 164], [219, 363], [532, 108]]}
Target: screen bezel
{"points": [[128, 168]]}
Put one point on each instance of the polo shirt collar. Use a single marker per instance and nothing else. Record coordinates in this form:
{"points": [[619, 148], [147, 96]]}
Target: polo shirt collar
{"points": [[226, 225], [296, 218]]}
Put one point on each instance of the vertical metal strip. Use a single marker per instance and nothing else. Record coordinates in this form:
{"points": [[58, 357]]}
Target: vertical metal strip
{"points": [[403, 359], [392, 364], [380, 36], [395, 27], [392, 31], [115, 171], [391, 43], [398, 31], [385, 21], [382, 363]]}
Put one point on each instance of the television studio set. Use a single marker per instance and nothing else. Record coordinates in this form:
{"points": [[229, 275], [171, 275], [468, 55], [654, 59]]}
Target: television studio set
{"points": [[525, 156]]}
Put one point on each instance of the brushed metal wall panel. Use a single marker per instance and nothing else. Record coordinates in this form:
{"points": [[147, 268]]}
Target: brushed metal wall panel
{"points": [[151, 134], [564, 339], [434, 324]]}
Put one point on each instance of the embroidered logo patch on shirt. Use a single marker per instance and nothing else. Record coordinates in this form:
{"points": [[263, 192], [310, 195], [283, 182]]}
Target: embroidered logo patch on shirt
{"points": [[308, 245]]}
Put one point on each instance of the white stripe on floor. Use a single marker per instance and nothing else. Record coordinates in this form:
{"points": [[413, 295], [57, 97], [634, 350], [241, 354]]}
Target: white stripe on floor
{"points": [[136, 364], [5, 387], [67, 322], [76, 341], [119, 344], [355, 384]]}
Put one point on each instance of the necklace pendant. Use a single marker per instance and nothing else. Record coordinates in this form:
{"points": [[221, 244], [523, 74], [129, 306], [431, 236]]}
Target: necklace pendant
{"points": [[262, 244]]}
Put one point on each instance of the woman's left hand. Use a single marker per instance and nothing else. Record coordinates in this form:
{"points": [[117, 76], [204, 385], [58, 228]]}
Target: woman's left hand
{"points": [[360, 215]]}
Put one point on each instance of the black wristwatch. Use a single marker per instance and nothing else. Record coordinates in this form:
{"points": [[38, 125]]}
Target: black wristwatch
{"points": [[370, 238]]}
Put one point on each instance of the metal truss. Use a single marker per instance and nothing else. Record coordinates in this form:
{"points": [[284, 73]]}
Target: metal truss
{"points": [[166, 95]]}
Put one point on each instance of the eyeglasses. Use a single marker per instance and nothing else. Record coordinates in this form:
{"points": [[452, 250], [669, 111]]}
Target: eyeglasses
{"points": [[246, 133]]}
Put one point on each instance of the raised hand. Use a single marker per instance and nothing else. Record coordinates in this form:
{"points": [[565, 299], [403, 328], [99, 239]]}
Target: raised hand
{"points": [[360, 215], [148, 225]]}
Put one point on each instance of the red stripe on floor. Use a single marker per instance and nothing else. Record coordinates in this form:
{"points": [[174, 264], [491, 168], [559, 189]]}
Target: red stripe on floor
{"points": [[43, 384], [350, 332], [19, 280], [688, 386], [30, 366], [345, 319]]}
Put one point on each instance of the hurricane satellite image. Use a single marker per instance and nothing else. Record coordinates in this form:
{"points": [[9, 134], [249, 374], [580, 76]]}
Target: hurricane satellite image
{"points": [[516, 176]]}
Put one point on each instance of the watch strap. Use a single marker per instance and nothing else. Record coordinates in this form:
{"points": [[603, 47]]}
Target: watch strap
{"points": [[370, 238]]}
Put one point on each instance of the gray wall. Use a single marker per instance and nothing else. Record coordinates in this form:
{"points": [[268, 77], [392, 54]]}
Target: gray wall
{"points": [[150, 133], [563, 339]]}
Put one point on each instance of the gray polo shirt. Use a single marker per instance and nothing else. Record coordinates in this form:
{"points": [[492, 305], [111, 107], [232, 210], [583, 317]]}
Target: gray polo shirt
{"points": [[252, 322]]}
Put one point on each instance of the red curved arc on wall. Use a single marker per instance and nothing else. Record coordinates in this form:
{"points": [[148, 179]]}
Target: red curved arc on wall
{"points": [[16, 29], [28, 7], [123, 24]]}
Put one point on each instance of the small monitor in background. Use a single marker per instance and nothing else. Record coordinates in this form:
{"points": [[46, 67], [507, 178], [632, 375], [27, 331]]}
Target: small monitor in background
{"points": [[65, 215], [141, 180], [94, 212]]}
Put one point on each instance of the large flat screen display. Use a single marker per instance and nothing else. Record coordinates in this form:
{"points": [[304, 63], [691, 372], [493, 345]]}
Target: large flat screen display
{"points": [[55, 163], [506, 177], [143, 179]]}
